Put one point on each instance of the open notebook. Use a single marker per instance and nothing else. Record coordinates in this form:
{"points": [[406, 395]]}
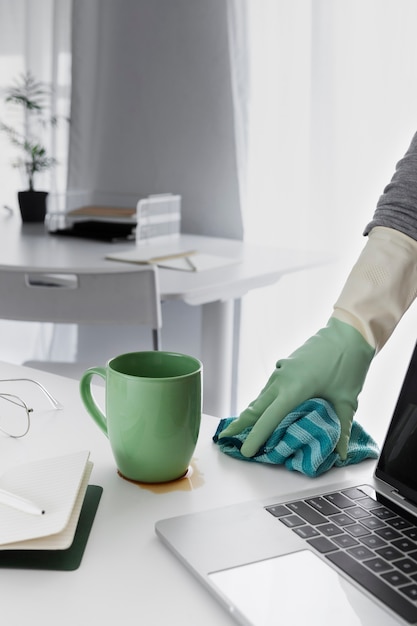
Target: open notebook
{"points": [[58, 486]]}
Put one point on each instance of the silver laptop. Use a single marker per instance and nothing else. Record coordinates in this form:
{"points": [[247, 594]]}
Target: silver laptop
{"points": [[347, 556]]}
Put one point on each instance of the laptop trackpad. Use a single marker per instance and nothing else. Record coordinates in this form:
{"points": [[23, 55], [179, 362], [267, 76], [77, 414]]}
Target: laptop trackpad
{"points": [[295, 588]]}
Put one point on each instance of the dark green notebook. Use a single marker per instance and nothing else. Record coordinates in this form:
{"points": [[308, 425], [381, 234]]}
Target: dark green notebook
{"points": [[68, 559]]}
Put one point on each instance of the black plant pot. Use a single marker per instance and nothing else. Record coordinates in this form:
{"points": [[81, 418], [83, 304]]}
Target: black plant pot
{"points": [[32, 205]]}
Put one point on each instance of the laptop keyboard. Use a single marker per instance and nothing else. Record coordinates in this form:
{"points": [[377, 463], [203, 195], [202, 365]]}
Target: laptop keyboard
{"points": [[365, 538]]}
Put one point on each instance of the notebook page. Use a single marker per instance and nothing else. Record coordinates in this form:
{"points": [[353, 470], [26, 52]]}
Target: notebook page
{"points": [[63, 539], [53, 484]]}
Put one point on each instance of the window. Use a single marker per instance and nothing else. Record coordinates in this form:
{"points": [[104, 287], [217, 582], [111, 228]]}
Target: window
{"points": [[35, 37]]}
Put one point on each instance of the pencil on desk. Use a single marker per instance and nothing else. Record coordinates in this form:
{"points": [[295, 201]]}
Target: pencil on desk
{"points": [[167, 257], [191, 264]]}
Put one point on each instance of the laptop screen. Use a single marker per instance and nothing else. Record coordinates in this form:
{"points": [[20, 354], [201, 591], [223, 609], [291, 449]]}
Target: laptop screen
{"points": [[397, 464]]}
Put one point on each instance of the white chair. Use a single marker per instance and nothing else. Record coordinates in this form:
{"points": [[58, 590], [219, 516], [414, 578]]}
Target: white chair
{"points": [[82, 297]]}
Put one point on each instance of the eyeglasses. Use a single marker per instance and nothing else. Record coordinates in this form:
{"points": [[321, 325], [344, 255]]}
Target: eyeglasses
{"points": [[15, 413]]}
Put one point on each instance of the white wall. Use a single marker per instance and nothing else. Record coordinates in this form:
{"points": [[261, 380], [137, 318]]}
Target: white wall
{"points": [[152, 106]]}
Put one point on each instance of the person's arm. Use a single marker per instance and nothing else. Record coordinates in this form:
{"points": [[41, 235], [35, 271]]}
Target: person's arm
{"points": [[333, 363], [397, 207]]}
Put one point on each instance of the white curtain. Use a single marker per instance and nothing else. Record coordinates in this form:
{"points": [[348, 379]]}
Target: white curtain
{"points": [[332, 108], [35, 37]]}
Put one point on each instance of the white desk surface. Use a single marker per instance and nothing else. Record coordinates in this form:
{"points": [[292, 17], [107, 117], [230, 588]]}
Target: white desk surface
{"points": [[127, 576], [30, 246]]}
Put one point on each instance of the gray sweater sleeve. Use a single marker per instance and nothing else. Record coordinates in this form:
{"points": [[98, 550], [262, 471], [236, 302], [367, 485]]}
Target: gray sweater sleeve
{"points": [[397, 207]]}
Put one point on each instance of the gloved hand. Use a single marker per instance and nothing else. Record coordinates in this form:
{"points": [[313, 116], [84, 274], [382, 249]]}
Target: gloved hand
{"points": [[333, 363]]}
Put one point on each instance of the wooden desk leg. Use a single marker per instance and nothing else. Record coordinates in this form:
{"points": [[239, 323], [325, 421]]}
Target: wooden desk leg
{"points": [[217, 356]]}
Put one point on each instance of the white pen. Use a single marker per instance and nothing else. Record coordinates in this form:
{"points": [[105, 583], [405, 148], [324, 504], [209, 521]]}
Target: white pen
{"points": [[19, 503]]}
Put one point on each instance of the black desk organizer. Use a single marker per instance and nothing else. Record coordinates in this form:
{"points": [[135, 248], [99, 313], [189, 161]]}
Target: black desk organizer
{"points": [[99, 231]]}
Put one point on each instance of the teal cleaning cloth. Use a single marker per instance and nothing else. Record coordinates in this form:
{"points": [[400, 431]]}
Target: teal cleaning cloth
{"points": [[305, 441]]}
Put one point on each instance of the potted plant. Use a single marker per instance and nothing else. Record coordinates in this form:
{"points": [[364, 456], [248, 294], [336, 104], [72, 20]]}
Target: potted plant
{"points": [[31, 98]]}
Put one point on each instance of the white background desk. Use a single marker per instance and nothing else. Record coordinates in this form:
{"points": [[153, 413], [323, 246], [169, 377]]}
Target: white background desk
{"points": [[29, 246], [127, 576]]}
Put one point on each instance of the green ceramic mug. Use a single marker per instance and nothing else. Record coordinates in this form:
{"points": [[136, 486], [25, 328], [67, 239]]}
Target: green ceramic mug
{"points": [[153, 412]]}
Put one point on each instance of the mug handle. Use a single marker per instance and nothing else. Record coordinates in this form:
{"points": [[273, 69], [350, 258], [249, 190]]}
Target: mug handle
{"points": [[87, 397]]}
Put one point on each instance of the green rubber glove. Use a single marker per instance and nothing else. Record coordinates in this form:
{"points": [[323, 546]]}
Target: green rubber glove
{"points": [[331, 365]]}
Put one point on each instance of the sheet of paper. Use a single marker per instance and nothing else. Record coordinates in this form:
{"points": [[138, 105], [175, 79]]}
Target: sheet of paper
{"points": [[183, 260], [148, 253]]}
